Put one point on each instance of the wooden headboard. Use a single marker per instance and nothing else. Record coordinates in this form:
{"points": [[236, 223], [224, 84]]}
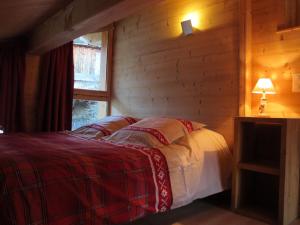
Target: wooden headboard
{"points": [[158, 71]]}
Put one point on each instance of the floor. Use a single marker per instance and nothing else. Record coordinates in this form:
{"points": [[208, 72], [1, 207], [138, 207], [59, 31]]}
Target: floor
{"points": [[201, 212]]}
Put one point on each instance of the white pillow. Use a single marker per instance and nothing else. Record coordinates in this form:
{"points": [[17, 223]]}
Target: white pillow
{"points": [[103, 127], [154, 131]]}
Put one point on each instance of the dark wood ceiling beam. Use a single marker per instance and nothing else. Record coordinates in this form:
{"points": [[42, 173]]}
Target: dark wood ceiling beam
{"points": [[81, 17]]}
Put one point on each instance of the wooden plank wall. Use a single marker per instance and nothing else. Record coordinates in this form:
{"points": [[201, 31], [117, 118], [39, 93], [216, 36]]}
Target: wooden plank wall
{"points": [[31, 92], [245, 38], [275, 55], [158, 71]]}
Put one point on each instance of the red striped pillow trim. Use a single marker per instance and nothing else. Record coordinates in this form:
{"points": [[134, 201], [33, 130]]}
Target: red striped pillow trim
{"points": [[130, 120], [157, 134], [100, 128], [188, 124]]}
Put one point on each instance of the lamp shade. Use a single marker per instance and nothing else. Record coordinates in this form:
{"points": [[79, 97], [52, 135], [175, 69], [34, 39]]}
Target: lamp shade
{"points": [[264, 85]]}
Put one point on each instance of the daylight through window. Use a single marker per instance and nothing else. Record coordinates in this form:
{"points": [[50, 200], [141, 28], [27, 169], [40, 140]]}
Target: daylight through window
{"points": [[90, 85]]}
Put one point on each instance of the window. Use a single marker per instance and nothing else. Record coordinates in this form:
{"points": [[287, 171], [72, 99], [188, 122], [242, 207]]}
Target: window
{"points": [[91, 84]]}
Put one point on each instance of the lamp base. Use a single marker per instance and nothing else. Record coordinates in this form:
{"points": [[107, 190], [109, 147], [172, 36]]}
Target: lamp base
{"points": [[263, 104]]}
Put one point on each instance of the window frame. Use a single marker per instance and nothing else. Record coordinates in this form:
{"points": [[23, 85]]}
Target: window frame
{"points": [[106, 63]]}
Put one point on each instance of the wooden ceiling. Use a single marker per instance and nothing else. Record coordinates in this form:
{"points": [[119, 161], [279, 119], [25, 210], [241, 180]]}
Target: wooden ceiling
{"points": [[19, 17]]}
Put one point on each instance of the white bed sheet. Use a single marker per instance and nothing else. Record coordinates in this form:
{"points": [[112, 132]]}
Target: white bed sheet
{"points": [[199, 166]]}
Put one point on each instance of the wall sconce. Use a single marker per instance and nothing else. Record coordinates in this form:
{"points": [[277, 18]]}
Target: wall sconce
{"points": [[187, 27], [1, 129], [190, 22], [263, 86]]}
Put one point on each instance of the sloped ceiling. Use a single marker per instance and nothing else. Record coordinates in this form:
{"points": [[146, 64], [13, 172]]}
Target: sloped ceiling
{"points": [[19, 17]]}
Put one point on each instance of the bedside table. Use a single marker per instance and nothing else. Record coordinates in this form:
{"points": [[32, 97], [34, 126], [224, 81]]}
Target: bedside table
{"points": [[266, 169]]}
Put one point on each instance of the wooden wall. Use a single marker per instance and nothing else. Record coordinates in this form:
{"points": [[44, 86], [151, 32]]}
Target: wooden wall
{"points": [[31, 92], [275, 55], [158, 71]]}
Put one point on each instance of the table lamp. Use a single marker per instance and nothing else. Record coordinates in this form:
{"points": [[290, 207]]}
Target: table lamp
{"points": [[263, 86]]}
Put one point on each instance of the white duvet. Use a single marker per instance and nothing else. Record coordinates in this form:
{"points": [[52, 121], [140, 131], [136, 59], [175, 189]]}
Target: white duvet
{"points": [[199, 164]]}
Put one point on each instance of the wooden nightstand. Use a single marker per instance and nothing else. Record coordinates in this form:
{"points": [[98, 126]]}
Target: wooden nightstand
{"points": [[266, 168]]}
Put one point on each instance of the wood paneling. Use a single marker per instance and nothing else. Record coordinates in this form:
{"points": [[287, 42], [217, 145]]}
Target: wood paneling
{"points": [[291, 14], [245, 77], [79, 18], [31, 91], [18, 17], [158, 71], [276, 55]]}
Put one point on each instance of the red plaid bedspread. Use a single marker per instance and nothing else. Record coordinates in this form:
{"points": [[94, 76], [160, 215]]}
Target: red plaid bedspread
{"points": [[56, 179]]}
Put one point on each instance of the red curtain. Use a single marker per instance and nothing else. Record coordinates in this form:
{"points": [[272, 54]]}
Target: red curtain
{"points": [[56, 93], [12, 76]]}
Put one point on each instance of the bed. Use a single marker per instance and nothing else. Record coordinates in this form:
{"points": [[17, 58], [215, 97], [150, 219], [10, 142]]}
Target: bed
{"points": [[65, 178]]}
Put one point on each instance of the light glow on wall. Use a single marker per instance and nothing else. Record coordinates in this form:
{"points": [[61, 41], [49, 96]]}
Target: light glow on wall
{"points": [[195, 17]]}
